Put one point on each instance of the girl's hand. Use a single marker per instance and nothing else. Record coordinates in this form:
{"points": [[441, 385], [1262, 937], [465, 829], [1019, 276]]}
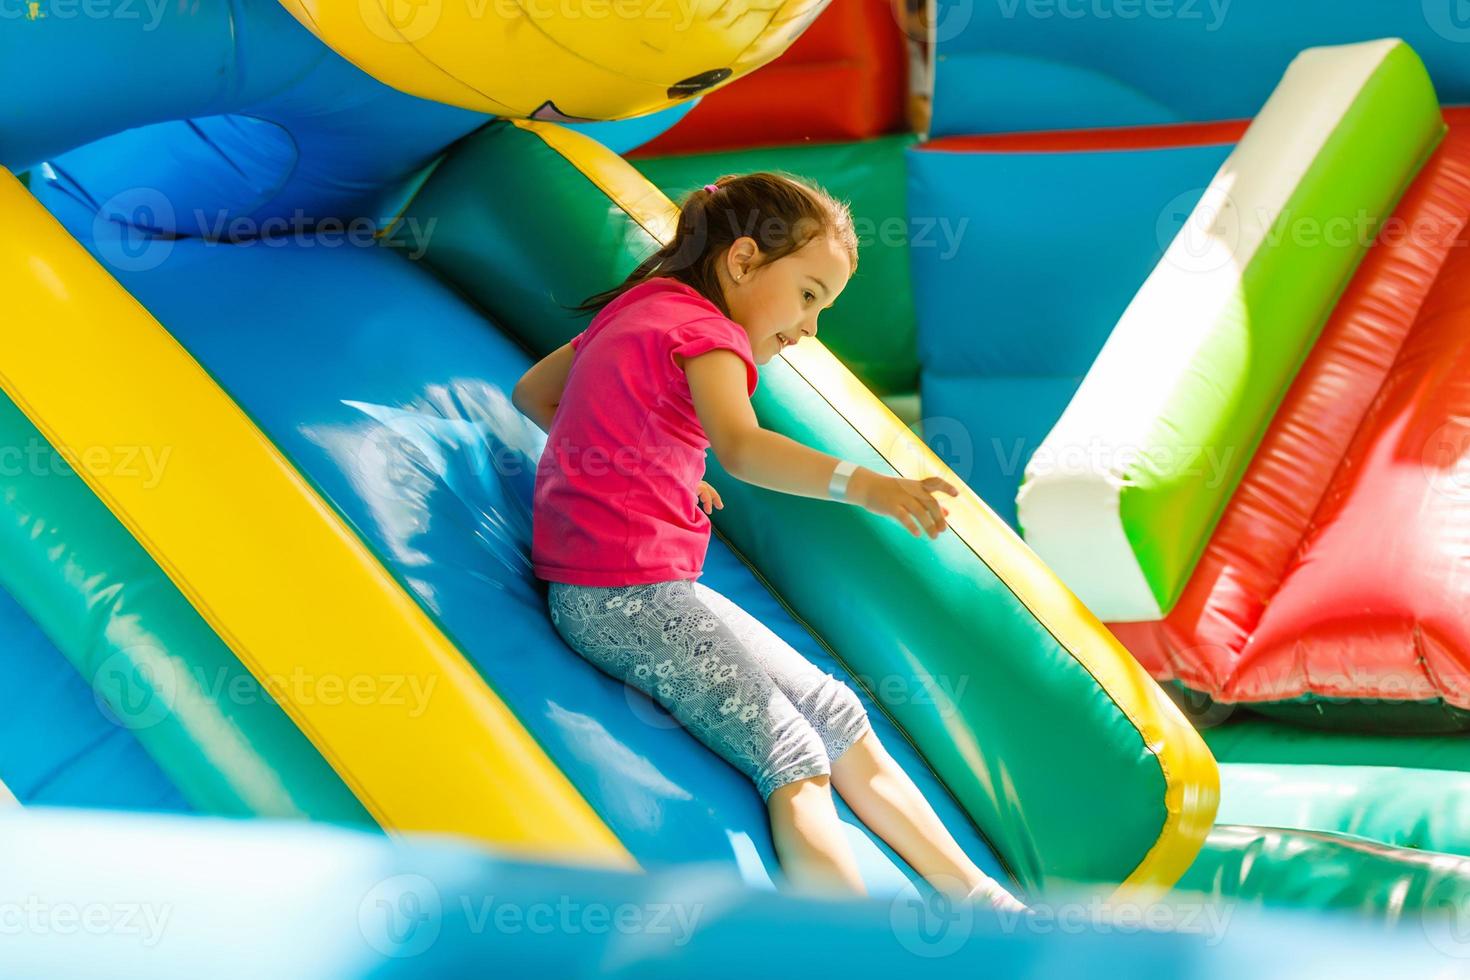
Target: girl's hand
{"points": [[910, 502], [709, 498]]}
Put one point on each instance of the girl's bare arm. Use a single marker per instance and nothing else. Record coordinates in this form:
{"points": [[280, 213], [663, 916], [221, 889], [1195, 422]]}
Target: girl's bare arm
{"points": [[769, 459], [539, 391], [747, 451]]}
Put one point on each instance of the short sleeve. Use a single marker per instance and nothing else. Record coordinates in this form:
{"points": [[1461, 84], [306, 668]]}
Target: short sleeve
{"points": [[590, 332], [702, 336]]}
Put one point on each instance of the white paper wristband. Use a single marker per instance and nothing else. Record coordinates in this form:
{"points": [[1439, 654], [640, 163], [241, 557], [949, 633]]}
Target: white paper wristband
{"points": [[837, 487]]}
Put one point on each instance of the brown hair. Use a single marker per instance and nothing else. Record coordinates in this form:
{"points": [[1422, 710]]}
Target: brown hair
{"points": [[781, 212]]}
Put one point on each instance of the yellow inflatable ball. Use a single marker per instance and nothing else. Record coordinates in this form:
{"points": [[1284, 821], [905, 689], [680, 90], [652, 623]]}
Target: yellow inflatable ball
{"points": [[564, 60]]}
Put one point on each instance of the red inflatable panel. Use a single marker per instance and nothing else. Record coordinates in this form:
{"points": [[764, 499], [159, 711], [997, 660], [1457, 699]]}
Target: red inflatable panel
{"points": [[1376, 600], [1338, 562], [1169, 136], [844, 79]]}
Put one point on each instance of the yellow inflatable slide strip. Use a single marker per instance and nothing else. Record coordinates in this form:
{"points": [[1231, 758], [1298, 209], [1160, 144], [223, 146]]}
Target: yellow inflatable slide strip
{"points": [[1191, 776], [633, 193], [388, 700]]}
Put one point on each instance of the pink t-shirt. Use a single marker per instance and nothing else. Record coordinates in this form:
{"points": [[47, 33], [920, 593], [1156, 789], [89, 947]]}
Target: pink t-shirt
{"points": [[615, 500]]}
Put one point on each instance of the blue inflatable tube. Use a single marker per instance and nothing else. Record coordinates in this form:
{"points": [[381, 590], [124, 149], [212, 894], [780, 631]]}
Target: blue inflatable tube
{"points": [[264, 899], [231, 118], [1016, 65]]}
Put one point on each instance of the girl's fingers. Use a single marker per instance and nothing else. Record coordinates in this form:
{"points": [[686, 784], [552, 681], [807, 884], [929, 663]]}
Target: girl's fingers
{"points": [[922, 516], [930, 511], [936, 511], [907, 521], [939, 483]]}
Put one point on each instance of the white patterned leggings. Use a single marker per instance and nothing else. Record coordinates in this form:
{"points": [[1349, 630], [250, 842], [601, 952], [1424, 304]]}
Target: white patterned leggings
{"points": [[738, 687]]}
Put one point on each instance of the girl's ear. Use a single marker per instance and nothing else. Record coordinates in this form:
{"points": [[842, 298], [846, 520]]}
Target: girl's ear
{"points": [[741, 257]]}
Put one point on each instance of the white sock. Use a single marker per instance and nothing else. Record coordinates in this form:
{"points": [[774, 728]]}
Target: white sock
{"points": [[992, 894]]}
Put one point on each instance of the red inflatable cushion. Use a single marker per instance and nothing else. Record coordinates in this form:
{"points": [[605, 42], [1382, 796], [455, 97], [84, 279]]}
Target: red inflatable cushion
{"points": [[1291, 595], [843, 80], [1375, 602]]}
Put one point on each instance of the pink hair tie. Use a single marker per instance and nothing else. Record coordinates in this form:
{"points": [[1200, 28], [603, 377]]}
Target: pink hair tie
{"points": [[711, 188]]}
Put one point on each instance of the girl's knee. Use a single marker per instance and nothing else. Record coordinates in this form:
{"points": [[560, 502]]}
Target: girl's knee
{"points": [[794, 787], [797, 754], [790, 782], [843, 719]]}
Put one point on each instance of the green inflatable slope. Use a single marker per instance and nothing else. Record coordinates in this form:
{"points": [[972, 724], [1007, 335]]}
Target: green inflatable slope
{"points": [[1250, 739], [1306, 869], [1424, 809]]}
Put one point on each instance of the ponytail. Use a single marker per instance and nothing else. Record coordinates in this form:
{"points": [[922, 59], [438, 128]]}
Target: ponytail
{"points": [[781, 212]]}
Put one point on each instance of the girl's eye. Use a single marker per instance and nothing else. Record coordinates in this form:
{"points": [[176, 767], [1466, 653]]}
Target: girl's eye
{"points": [[808, 295]]}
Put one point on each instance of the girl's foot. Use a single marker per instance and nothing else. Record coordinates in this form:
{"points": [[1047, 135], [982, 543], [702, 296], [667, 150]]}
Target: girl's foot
{"points": [[992, 894]]}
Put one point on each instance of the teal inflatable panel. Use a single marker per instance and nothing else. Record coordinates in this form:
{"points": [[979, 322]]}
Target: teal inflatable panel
{"points": [[1251, 738], [1425, 809], [1281, 868]]}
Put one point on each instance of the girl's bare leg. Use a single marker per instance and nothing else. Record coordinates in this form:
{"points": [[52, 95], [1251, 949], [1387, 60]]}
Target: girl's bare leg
{"points": [[886, 799], [811, 840]]}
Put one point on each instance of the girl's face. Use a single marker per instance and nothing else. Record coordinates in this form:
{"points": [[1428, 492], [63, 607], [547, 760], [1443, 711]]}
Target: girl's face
{"points": [[778, 302]]}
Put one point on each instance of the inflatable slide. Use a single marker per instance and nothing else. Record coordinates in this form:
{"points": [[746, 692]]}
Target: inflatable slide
{"points": [[281, 475], [265, 520]]}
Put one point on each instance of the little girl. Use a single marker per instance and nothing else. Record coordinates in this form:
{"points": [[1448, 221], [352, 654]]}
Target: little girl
{"points": [[665, 371]]}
